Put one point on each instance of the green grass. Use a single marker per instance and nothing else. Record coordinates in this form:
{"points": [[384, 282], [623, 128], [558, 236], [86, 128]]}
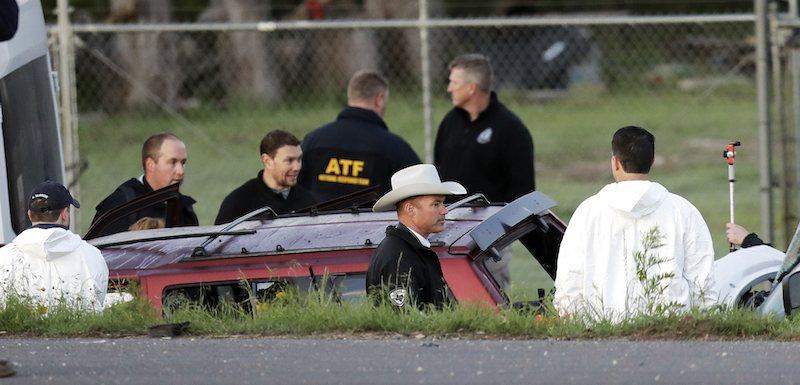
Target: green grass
{"points": [[318, 315], [572, 139]]}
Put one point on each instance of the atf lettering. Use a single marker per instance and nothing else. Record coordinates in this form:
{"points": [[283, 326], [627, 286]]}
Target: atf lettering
{"points": [[345, 167], [327, 178], [358, 166], [346, 163], [333, 167], [343, 179]]}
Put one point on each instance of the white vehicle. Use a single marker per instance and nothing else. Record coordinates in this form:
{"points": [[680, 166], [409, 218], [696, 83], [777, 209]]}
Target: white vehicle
{"points": [[31, 141], [762, 278]]}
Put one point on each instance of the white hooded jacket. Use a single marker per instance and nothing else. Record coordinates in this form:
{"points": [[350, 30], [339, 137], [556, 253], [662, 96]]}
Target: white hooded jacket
{"points": [[596, 270], [50, 263]]}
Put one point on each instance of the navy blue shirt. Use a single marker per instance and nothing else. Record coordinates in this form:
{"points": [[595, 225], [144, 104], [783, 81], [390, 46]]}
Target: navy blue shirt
{"points": [[255, 194], [354, 152], [136, 189]]}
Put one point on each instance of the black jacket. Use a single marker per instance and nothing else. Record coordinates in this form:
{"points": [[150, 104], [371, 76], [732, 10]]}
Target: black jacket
{"points": [[751, 240], [354, 152], [492, 155], [9, 19], [118, 197], [255, 194], [401, 264]]}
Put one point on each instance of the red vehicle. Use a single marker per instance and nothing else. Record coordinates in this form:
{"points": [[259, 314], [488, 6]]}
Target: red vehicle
{"points": [[215, 264]]}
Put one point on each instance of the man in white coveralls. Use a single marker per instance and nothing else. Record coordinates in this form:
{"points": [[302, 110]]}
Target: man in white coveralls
{"points": [[597, 271]]}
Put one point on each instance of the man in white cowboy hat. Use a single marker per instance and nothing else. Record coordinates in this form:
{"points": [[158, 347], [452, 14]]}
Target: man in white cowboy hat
{"points": [[404, 270]]}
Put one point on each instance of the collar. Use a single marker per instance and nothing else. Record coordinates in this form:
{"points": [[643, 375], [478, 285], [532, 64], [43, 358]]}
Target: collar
{"points": [[493, 103], [184, 200], [48, 226], [284, 193], [266, 190], [424, 241], [362, 114], [146, 185]]}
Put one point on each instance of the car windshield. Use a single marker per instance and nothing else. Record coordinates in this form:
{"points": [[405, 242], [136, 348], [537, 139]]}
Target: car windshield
{"points": [[792, 256]]}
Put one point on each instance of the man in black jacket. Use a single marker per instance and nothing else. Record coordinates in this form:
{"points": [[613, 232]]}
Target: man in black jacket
{"points": [[164, 163], [274, 186], [357, 150], [484, 145], [404, 270]]}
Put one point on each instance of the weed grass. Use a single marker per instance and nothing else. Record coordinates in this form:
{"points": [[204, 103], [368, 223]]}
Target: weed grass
{"points": [[317, 315]]}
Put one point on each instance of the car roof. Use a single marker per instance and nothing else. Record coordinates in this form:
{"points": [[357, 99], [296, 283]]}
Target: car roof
{"points": [[148, 249]]}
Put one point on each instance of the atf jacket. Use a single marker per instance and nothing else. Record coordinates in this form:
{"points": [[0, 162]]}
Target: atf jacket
{"points": [[403, 271], [136, 188], [47, 263], [354, 152], [596, 270], [255, 194], [492, 155]]}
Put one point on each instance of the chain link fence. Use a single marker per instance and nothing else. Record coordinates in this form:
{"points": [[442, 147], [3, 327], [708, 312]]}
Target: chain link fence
{"points": [[222, 87], [157, 71]]}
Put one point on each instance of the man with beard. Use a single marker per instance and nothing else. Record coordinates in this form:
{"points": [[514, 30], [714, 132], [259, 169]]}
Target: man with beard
{"points": [[274, 186]]}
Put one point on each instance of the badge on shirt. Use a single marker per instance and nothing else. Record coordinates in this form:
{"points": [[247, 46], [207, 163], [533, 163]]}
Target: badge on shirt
{"points": [[485, 136], [398, 296]]}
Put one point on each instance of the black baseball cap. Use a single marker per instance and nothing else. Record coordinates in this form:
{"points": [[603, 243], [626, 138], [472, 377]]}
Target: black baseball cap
{"points": [[56, 195]]}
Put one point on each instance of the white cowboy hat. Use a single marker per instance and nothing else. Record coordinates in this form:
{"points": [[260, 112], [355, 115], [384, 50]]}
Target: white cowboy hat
{"points": [[419, 179]]}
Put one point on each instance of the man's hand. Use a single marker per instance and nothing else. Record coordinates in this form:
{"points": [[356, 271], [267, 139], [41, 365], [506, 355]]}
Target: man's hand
{"points": [[735, 233]]}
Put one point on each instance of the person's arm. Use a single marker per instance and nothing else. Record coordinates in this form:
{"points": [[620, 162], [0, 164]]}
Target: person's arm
{"points": [[699, 261], [407, 156], [518, 161], [406, 278], [114, 200], [739, 236], [99, 270], [228, 211], [437, 144], [570, 267], [9, 19]]}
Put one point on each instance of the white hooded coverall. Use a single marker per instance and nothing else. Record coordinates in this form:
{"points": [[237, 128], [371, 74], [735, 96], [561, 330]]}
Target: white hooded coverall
{"points": [[51, 264], [596, 271]]}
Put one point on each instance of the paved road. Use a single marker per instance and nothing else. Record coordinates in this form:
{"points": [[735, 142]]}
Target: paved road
{"points": [[310, 361]]}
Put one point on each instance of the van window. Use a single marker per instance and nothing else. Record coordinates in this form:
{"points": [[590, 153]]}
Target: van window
{"points": [[30, 135]]}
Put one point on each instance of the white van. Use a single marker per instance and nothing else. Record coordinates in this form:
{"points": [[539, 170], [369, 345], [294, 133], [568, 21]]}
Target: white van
{"points": [[30, 144]]}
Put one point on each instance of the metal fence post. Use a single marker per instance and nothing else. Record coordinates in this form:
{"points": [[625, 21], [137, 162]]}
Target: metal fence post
{"points": [[795, 65], [764, 137], [789, 220], [69, 124], [427, 108]]}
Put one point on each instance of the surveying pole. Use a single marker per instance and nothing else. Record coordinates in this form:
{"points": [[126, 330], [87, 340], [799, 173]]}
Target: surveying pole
{"points": [[730, 154]]}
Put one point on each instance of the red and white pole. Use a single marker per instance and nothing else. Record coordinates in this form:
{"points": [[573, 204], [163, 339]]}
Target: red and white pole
{"points": [[730, 154]]}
